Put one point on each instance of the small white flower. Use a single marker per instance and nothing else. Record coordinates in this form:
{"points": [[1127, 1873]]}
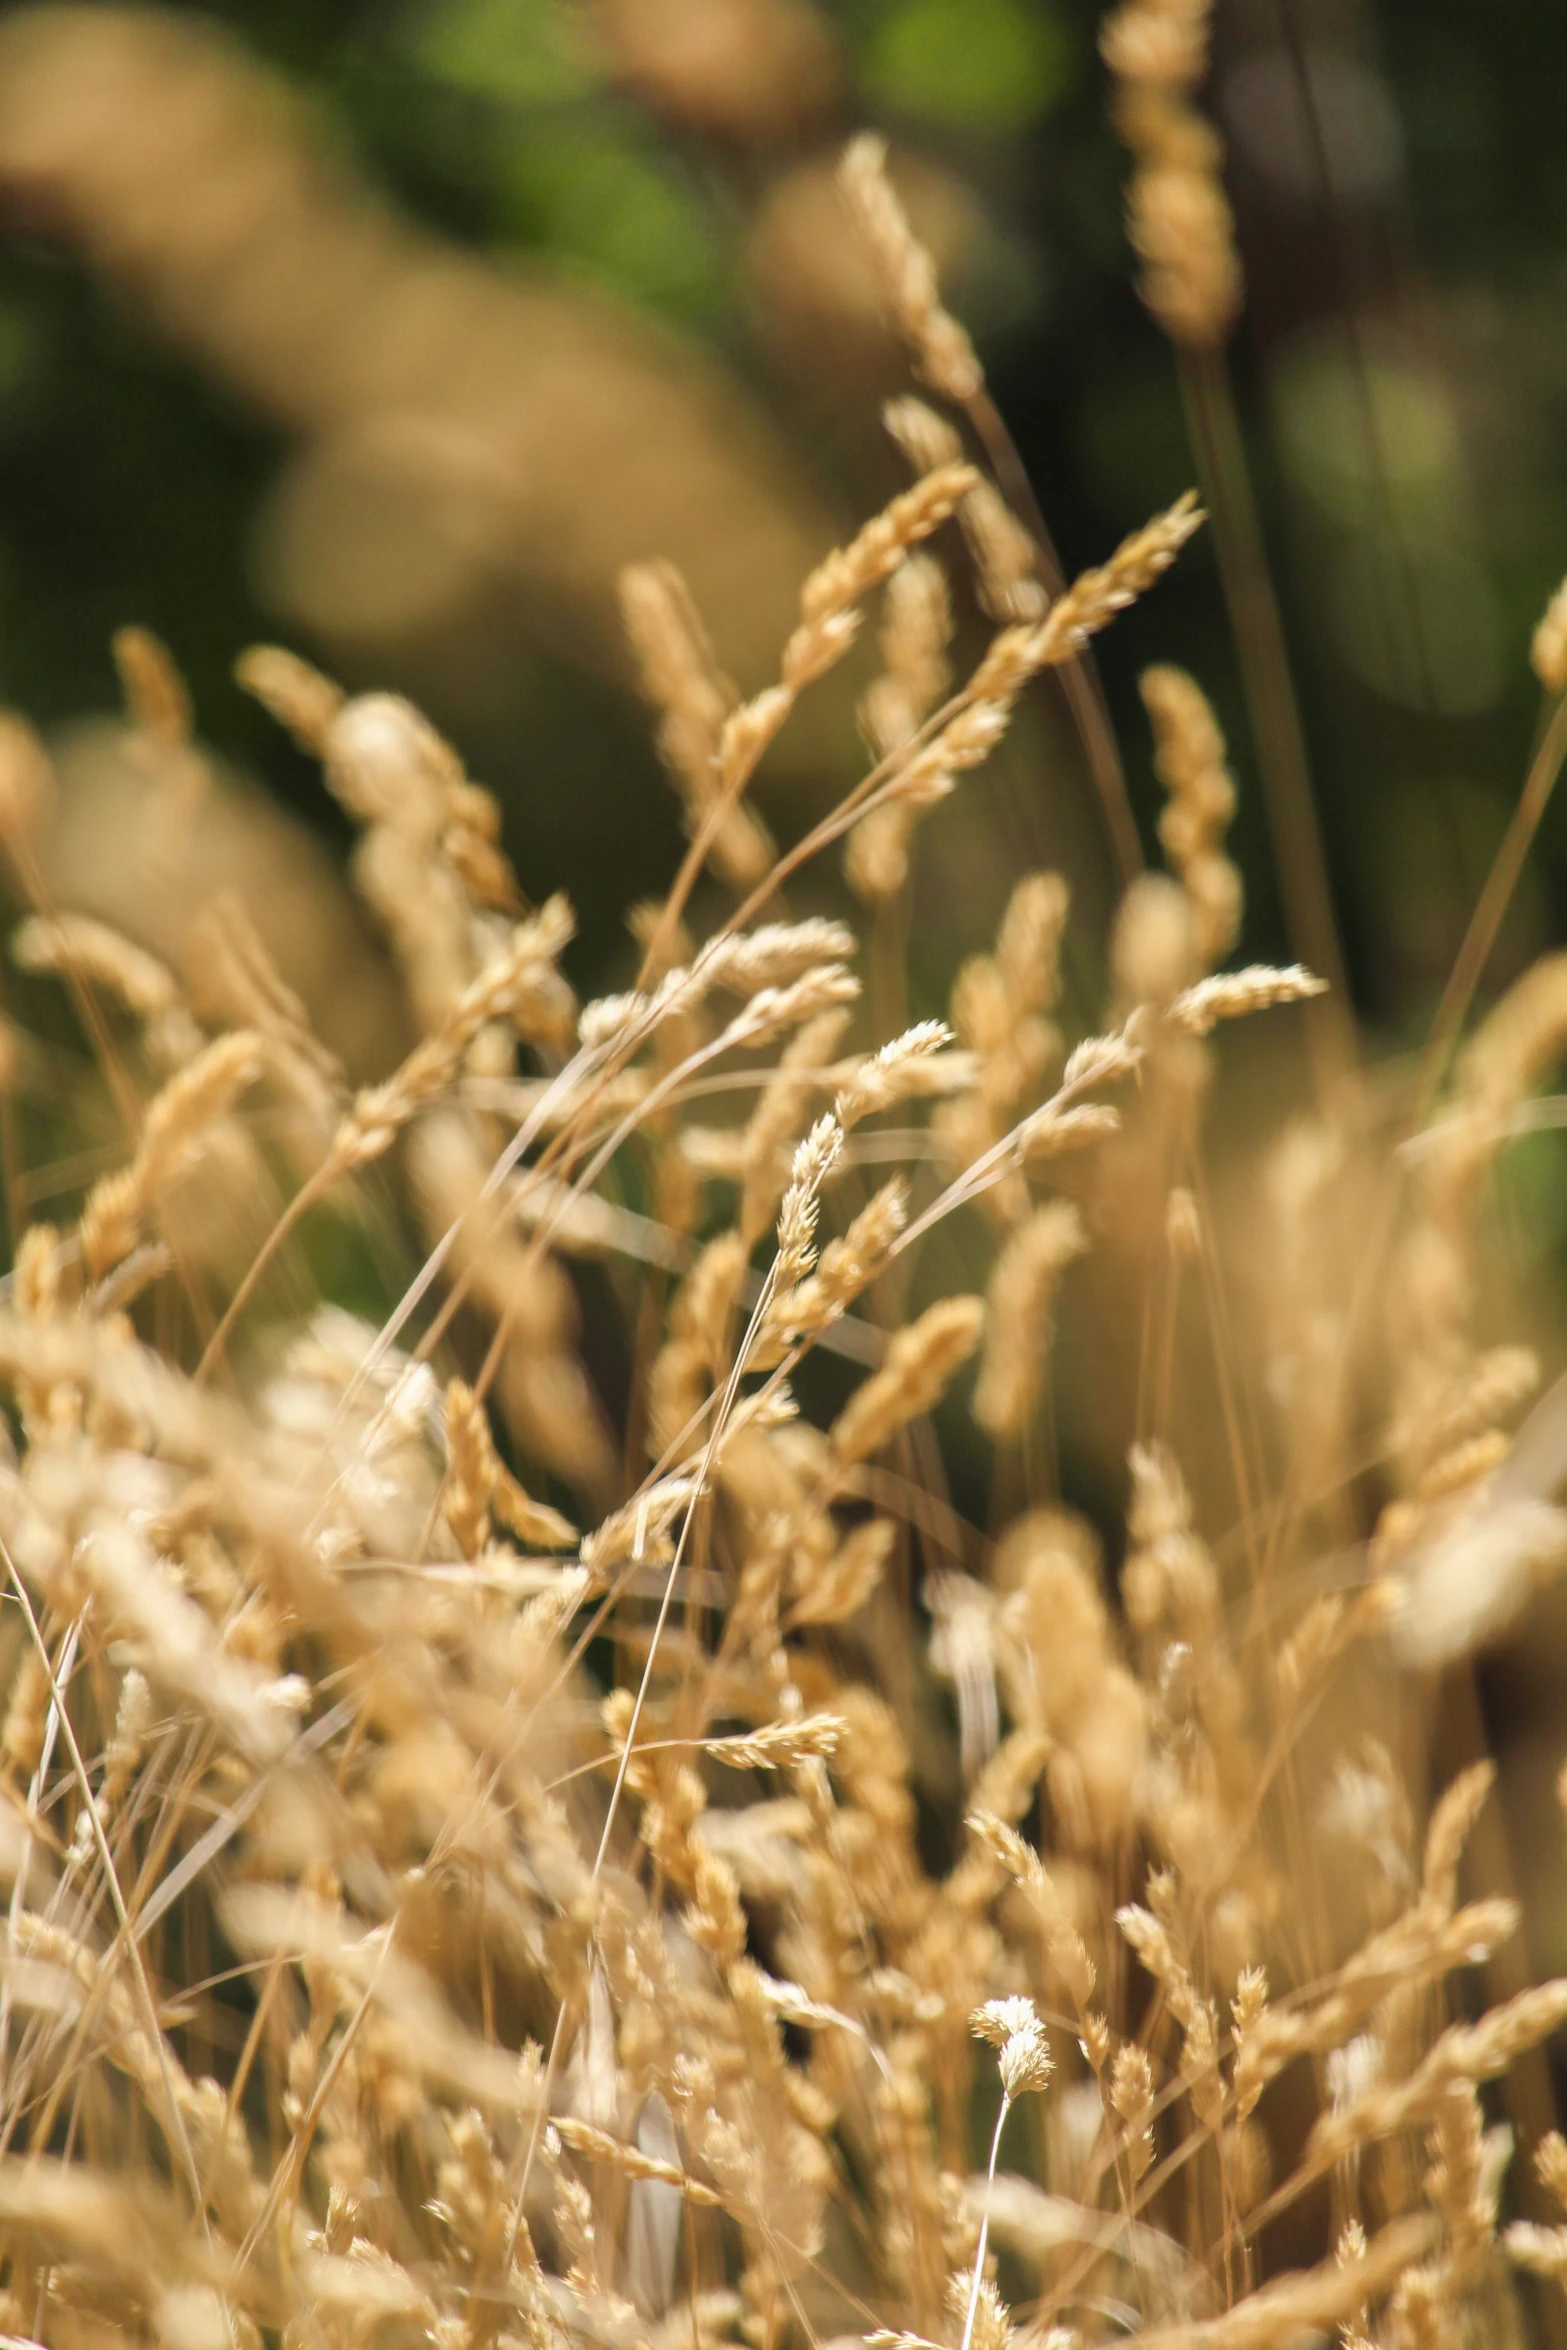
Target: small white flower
{"points": [[998, 2019], [1014, 2026]]}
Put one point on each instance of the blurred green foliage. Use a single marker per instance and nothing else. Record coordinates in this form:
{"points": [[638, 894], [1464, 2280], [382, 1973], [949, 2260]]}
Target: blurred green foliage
{"points": [[628, 218], [990, 66], [512, 52]]}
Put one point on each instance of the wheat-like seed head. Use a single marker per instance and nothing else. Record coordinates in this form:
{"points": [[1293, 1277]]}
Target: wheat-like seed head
{"points": [[941, 349]]}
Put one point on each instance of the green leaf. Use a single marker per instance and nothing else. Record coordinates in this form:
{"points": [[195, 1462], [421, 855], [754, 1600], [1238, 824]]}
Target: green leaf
{"points": [[977, 64], [520, 52], [623, 216]]}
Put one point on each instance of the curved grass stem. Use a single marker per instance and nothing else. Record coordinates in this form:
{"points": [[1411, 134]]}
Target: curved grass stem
{"points": [[1492, 904], [1277, 734]]}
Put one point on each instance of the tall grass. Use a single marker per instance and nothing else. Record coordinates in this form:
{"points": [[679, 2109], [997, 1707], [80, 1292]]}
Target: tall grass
{"points": [[801, 1893]]}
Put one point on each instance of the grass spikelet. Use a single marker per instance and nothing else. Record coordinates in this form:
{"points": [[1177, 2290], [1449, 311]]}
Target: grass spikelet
{"points": [[1230, 996], [813, 1163], [916, 630], [925, 438], [520, 985], [89, 952], [1005, 557], [681, 679], [941, 349], [1017, 1328], [298, 697], [780, 1111], [1063, 1942], [234, 983], [921, 1362], [1190, 762], [1517, 1042], [876, 551], [26, 781], [904, 1069], [780, 1746], [1463, 2053], [599, 2146], [1131, 2094], [1178, 219], [176, 1126], [965, 742], [1089, 604], [1013, 2027], [1548, 646], [1451, 1824], [1303, 2302], [805, 1308], [834, 1589], [155, 694]]}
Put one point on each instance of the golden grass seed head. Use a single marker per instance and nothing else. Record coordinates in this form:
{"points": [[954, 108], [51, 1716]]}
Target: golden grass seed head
{"points": [[926, 439], [1018, 1321], [1183, 230], [1005, 556], [875, 552], [1166, 45], [155, 693], [1154, 946], [300, 698], [909, 1066], [1013, 2026], [1548, 648], [1233, 994], [921, 1361], [942, 351], [26, 782]]}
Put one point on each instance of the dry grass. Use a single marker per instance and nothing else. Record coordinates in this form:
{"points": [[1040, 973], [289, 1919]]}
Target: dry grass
{"points": [[432, 1916]]}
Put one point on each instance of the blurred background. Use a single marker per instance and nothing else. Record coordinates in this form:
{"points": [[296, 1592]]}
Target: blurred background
{"points": [[391, 330]]}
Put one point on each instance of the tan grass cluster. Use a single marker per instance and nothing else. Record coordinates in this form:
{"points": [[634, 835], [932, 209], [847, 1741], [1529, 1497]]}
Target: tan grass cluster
{"points": [[1179, 218], [490, 1859]]}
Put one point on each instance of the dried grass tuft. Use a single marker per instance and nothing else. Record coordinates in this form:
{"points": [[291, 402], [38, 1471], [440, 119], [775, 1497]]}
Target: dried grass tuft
{"points": [[437, 1917]]}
